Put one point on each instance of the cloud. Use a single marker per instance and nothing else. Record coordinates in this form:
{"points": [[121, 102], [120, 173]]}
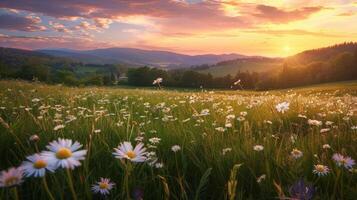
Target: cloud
{"points": [[276, 15], [105, 11], [21, 23], [59, 27], [39, 42], [103, 22]]}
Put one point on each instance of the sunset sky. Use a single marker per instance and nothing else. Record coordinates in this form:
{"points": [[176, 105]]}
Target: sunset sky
{"points": [[264, 27]]}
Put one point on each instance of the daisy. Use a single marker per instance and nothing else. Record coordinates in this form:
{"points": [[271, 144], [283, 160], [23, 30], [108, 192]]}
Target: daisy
{"points": [[34, 138], [296, 153], [125, 150], [36, 166], [258, 148], [226, 150], [64, 153], [321, 170], [282, 107], [175, 148], [103, 186], [11, 177], [344, 161], [157, 81]]}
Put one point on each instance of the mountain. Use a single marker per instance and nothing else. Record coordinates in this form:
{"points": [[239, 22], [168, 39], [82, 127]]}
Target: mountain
{"points": [[263, 64], [133, 56], [321, 54]]}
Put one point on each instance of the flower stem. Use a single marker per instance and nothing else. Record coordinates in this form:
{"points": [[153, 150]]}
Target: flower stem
{"points": [[126, 180], [47, 189], [15, 193], [70, 182]]}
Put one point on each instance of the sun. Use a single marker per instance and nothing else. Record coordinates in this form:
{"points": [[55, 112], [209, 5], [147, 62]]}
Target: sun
{"points": [[287, 49]]}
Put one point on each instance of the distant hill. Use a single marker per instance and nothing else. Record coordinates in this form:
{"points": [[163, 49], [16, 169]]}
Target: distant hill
{"points": [[321, 54], [262, 64], [163, 59]]}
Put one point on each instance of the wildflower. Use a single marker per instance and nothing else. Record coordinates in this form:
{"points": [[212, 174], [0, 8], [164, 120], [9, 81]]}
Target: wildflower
{"points": [[324, 130], [226, 150], [313, 122], [240, 118], [157, 81], [204, 112], [125, 150], [97, 131], [302, 116], [64, 153], [159, 165], [228, 125], [243, 113], [103, 186], [58, 127], [229, 117], [258, 148], [300, 190], [296, 153], [155, 140], [344, 161], [326, 146], [282, 107], [11, 177], [175, 148], [261, 178], [34, 138], [36, 166], [321, 170]]}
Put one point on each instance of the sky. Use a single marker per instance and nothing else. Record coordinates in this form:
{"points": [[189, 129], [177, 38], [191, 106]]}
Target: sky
{"points": [[274, 28]]}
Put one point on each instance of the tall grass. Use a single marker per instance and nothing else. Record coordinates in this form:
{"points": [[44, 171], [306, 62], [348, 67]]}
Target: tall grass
{"points": [[200, 170]]}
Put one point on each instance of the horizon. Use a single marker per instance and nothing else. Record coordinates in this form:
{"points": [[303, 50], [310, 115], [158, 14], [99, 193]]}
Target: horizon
{"points": [[190, 27]]}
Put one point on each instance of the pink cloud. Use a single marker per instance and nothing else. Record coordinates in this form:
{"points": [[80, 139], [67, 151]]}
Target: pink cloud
{"points": [[20, 23], [276, 15]]}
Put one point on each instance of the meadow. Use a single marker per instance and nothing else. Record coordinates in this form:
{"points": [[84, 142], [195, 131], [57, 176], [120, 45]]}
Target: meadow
{"points": [[285, 144]]}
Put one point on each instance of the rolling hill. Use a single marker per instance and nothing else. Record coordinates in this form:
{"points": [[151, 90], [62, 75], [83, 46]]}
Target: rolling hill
{"points": [[163, 59], [263, 64]]}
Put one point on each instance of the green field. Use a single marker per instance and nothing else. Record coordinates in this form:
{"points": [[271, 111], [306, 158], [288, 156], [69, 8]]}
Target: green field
{"points": [[217, 132], [251, 66]]}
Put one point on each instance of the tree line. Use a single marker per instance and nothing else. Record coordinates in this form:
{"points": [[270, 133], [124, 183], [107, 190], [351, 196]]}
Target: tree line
{"points": [[341, 67]]}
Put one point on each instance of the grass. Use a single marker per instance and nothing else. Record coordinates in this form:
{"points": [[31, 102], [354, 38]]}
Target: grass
{"points": [[200, 170], [251, 66]]}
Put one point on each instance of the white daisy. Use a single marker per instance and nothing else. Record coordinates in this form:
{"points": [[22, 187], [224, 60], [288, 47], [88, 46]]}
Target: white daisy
{"points": [[125, 150], [103, 186], [282, 107], [175, 148], [296, 153], [64, 153], [11, 177], [36, 166], [321, 170], [258, 148]]}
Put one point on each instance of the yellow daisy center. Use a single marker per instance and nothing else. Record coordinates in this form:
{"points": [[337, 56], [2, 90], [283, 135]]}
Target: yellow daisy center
{"points": [[131, 154], [63, 153], [320, 168], [103, 185], [39, 164], [12, 180]]}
